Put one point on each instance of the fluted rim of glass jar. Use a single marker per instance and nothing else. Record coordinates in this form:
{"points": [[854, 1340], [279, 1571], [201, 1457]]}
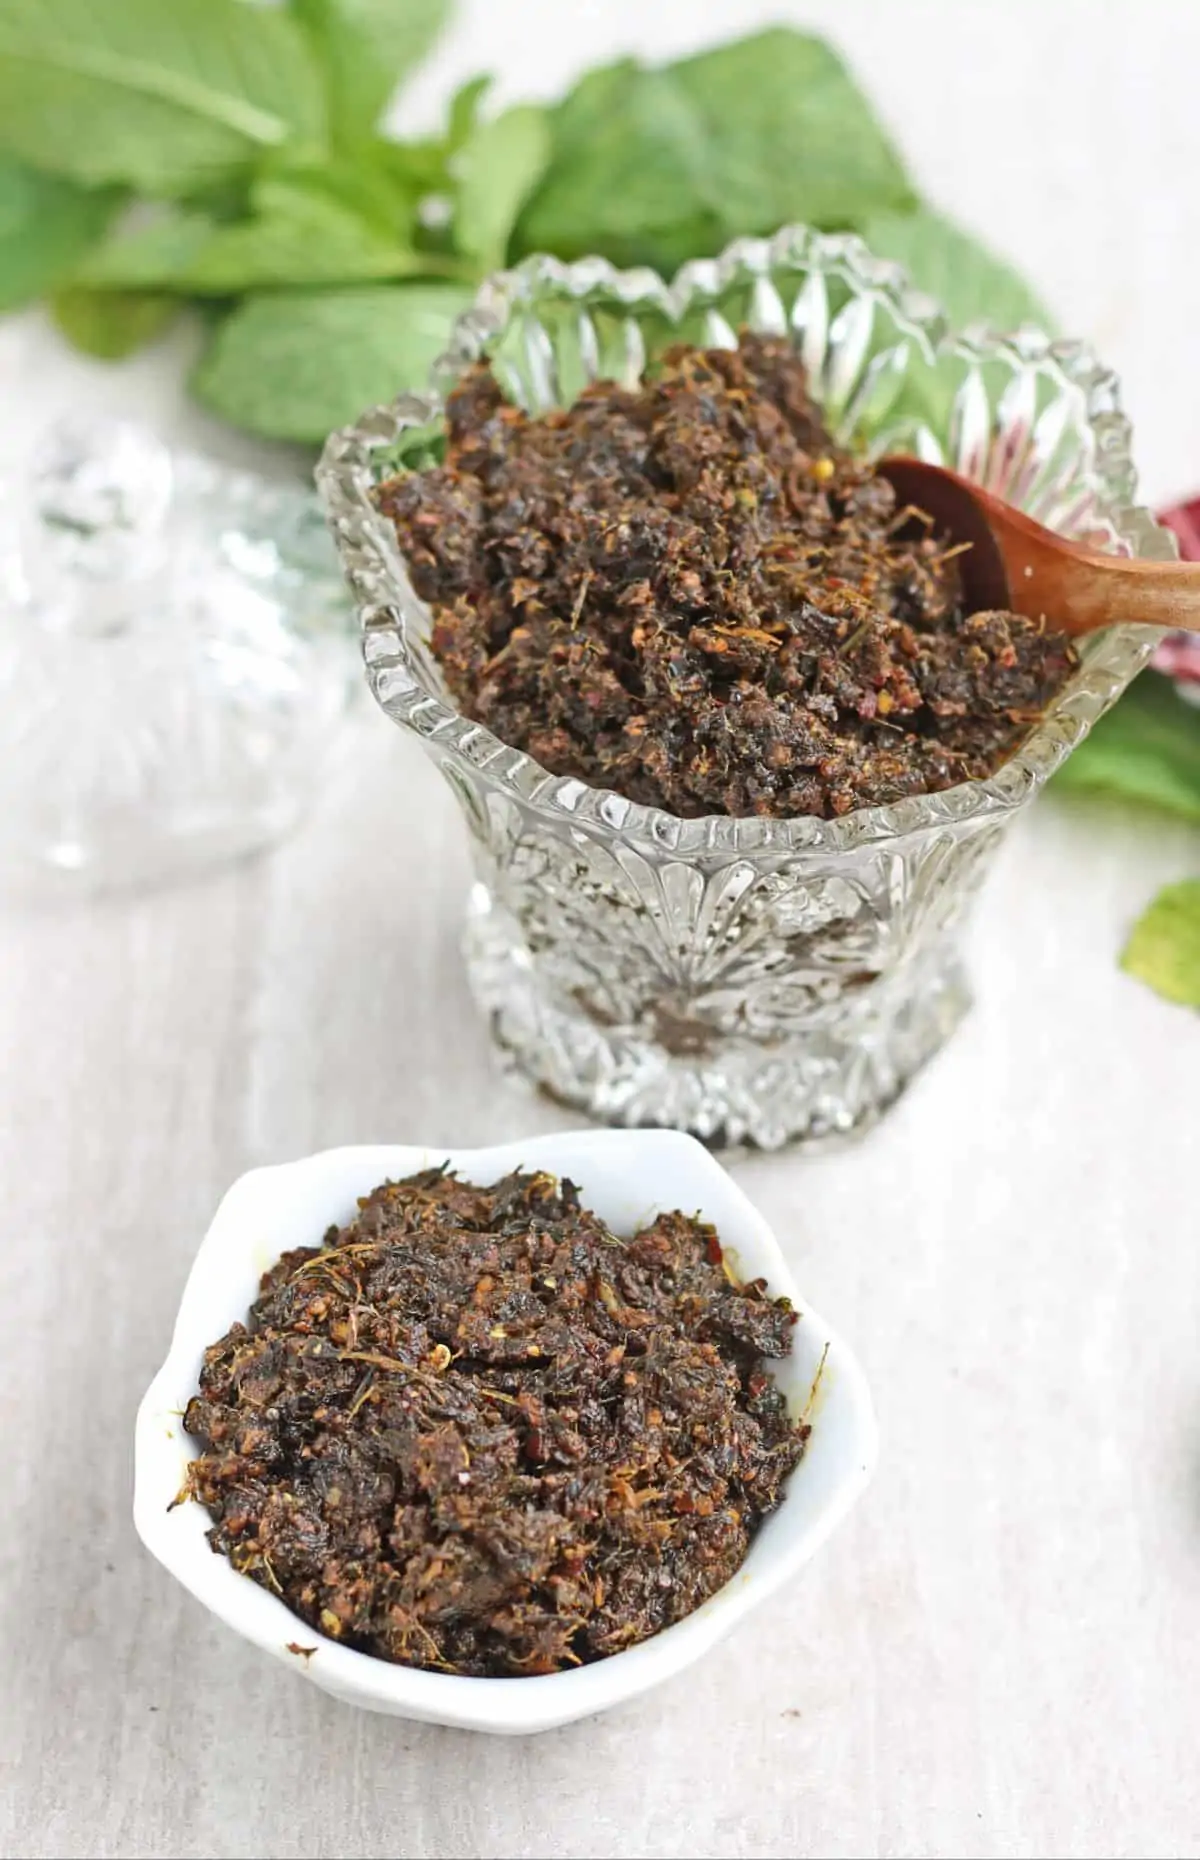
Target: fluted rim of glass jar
{"points": [[375, 570]]}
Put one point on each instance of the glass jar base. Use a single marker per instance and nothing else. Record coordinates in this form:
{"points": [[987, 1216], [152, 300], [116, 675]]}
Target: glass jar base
{"points": [[821, 1087]]}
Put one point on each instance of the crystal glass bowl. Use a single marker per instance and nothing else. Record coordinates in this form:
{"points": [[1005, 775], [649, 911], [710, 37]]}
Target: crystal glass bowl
{"points": [[749, 980]]}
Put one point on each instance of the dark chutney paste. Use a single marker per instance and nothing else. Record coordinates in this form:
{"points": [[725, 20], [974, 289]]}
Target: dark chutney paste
{"points": [[476, 1432], [689, 594]]}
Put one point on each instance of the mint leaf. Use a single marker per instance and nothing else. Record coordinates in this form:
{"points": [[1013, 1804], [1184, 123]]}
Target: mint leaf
{"points": [[111, 324], [364, 48], [293, 248], [498, 166], [653, 166], [970, 283], [364, 184], [464, 110], [154, 256], [165, 97], [417, 167], [1147, 749], [629, 170], [301, 232], [1164, 947], [295, 364], [789, 135], [46, 225]]}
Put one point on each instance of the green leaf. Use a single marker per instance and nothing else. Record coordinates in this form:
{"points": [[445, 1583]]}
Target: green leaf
{"points": [[306, 231], [657, 165], [165, 97], [365, 47], [970, 283], [363, 184], [46, 225], [1147, 749], [301, 233], [418, 167], [111, 324], [629, 167], [790, 135], [464, 110], [295, 364], [295, 250], [498, 167], [155, 256], [1164, 947]]}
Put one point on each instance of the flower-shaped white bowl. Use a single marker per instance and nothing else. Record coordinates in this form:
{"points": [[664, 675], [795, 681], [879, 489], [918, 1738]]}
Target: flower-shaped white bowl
{"points": [[627, 1177]]}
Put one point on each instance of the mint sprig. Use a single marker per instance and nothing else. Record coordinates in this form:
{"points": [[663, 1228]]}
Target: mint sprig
{"points": [[259, 130]]}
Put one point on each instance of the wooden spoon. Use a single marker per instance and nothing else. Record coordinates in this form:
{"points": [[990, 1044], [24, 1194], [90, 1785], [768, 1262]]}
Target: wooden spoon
{"points": [[1021, 567]]}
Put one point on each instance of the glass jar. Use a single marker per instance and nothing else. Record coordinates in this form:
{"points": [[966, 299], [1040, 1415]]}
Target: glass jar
{"points": [[174, 659], [748, 980]]}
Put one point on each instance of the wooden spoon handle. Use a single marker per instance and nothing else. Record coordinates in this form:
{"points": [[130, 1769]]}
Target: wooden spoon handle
{"points": [[1105, 590]]}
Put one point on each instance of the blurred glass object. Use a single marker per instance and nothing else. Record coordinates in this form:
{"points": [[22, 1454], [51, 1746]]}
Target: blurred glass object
{"points": [[175, 658]]}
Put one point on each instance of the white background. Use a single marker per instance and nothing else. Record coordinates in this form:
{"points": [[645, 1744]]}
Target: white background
{"points": [[998, 1656]]}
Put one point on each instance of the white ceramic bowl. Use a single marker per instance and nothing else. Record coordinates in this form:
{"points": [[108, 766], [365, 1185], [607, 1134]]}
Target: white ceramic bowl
{"points": [[627, 1177]]}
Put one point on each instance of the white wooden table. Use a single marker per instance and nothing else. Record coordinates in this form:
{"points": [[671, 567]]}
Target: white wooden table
{"points": [[998, 1655]]}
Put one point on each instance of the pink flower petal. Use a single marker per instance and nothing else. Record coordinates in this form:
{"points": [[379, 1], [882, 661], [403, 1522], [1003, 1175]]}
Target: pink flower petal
{"points": [[1184, 519]]}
